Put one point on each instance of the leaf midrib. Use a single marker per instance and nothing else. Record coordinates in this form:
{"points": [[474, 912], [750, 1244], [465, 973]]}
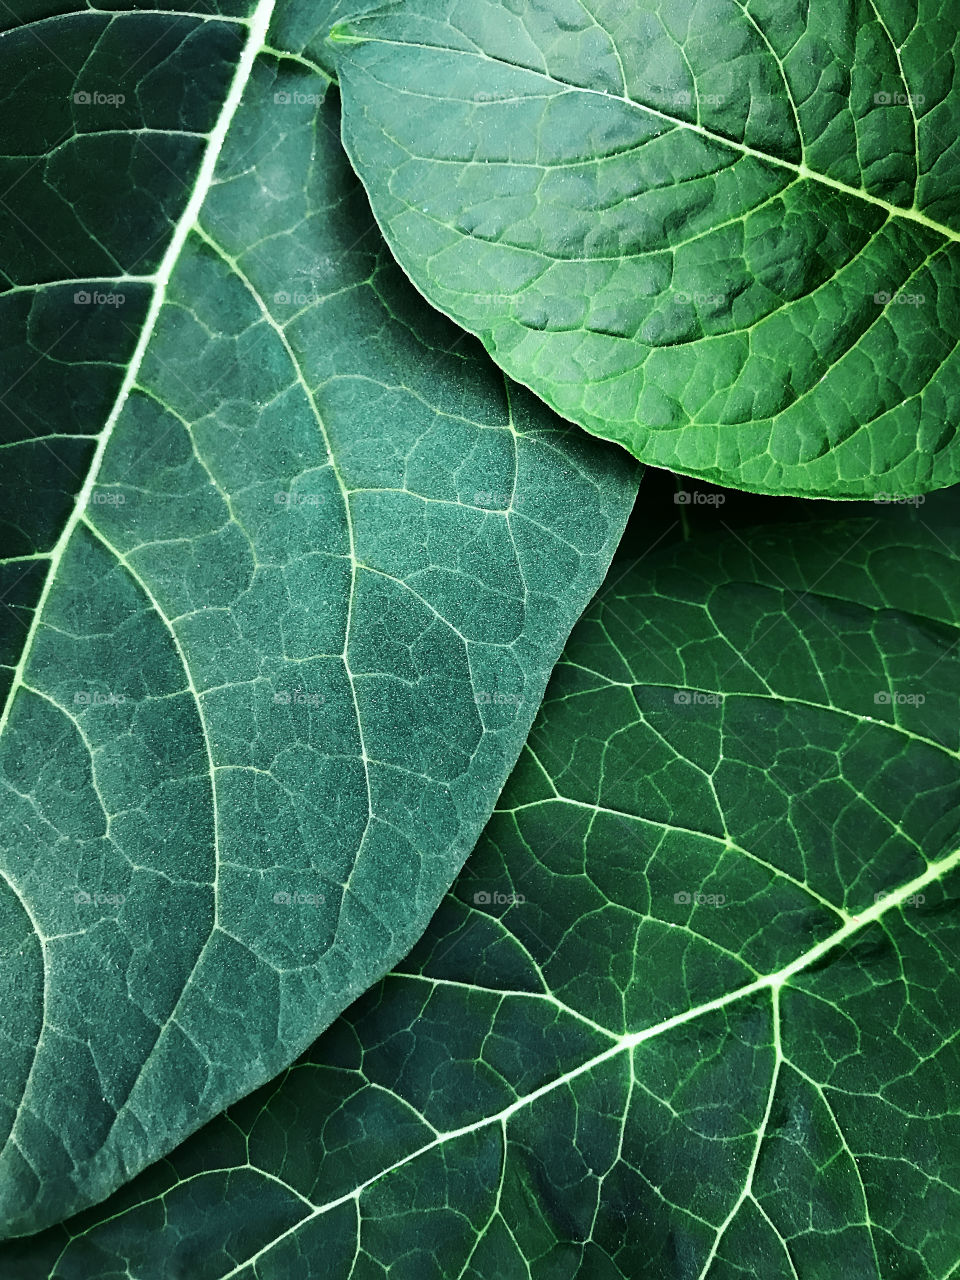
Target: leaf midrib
{"points": [[258, 26], [773, 982], [801, 170]]}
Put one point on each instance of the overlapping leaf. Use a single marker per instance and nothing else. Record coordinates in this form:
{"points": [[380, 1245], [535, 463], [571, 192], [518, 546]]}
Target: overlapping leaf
{"points": [[690, 1009], [724, 234], [289, 565]]}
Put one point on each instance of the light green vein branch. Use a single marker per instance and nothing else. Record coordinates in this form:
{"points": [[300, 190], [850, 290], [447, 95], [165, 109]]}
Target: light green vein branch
{"points": [[772, 982], [259, 24], [257, 32], [340, 35]]}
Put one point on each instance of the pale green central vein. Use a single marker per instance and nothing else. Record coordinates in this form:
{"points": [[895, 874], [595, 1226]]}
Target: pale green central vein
{"points": [[802, 170], [259, 25], [772, 982], [258, 29]]}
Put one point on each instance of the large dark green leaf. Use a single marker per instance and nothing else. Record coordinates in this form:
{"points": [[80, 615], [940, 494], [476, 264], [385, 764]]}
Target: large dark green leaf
{"points": [[713, 1034], [723, 234], [288, 566]]}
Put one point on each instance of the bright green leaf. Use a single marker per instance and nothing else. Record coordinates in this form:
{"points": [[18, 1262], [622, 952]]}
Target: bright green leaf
{"points": [[288, 570], [725, 235], [714, 1032]]}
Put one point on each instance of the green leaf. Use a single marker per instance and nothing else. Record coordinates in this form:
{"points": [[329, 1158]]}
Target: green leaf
{"points": [[725, 236], [302, 29], [271, 656], [714, 1033]]}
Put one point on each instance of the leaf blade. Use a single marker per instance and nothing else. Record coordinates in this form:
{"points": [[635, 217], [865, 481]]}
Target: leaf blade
{"points": [[298, 547], [610, 1075], [673, 255]]}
